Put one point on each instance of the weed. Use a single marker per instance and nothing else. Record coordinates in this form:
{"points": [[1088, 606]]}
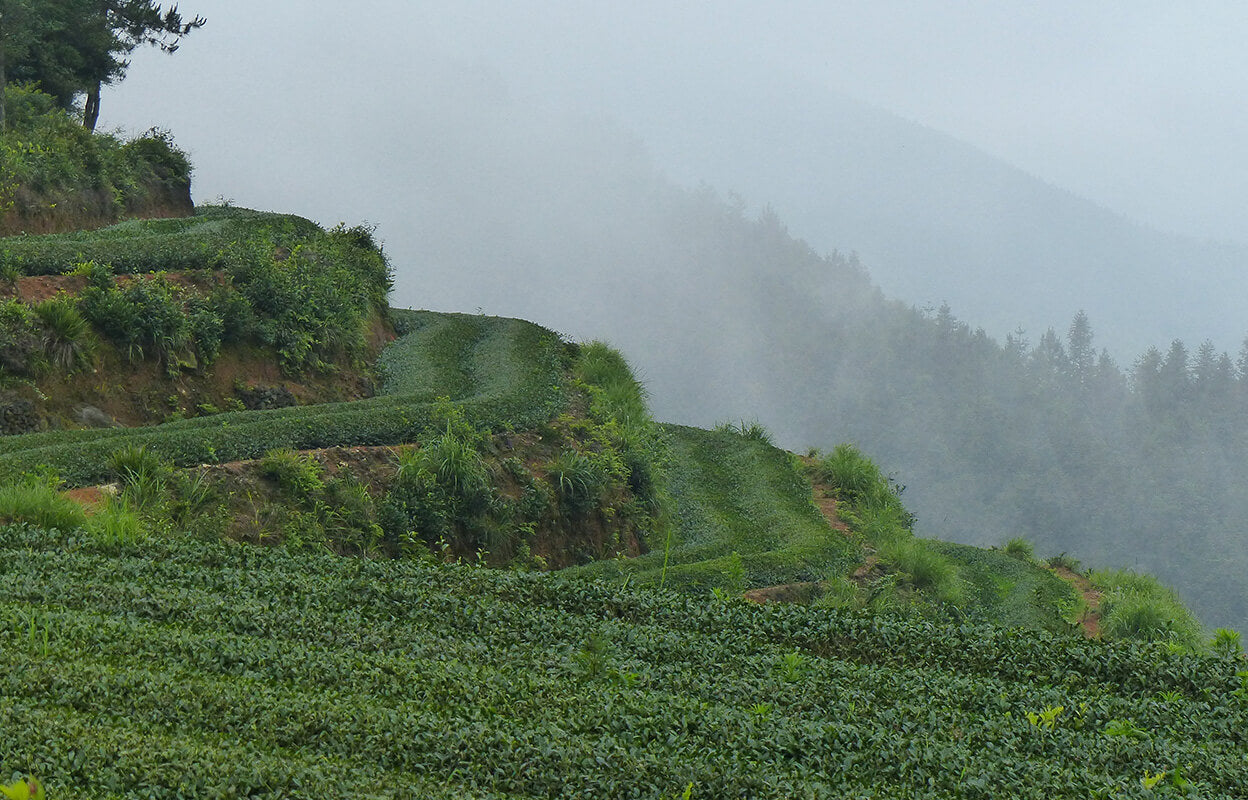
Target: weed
{"points": [[1227, 644], [116, 526], [40, 504], [1021, 549], [68, 342], [1062, 560], [1046, 719], [793, 667], [298, 476], [750, 429], [142, 473], [924, 568], [576, 478]]}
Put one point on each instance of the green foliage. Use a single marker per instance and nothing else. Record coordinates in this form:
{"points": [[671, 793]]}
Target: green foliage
{"points": [[314, 304], [146, 319], [68, 344], [742, 517], [48, 160], [298, 476], [858, 482], [1062, 560], [924, 568], [216, 238], [39, 503], [1020, 548], [750, 429], [142, 473], [277, 281], [578, 480], [1227, 644], [1011, 592], [22, 350], [117, 525], [177, 667], [1139, 607], [29, 789], [527, 393]]}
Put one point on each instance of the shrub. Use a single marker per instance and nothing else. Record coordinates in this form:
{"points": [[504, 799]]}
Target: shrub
{"points": [[21, 342], [298, 476], [59, 164], [67, 340], [146, 319]]}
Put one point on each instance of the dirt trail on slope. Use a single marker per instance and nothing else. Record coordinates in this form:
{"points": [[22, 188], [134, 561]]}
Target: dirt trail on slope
{"points": [[1091, 621]]}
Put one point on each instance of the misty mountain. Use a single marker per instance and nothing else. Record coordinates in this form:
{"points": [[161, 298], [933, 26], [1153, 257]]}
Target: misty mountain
{"points": [[940, 221], [564, 219]]}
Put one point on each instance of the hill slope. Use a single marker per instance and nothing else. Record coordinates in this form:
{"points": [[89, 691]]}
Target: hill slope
{"points": [[193, 668], [150, 654]]}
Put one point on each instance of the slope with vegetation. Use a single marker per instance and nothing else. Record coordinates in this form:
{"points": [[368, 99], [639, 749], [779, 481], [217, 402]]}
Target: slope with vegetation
{"points": [[177, 667], [148, 321], [57, 176], [182, 619]]}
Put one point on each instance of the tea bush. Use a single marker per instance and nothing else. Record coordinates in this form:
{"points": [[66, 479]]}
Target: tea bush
{"points": [[176, 667]]}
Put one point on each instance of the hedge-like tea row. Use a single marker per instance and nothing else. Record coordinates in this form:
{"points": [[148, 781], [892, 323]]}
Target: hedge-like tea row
{"points": [[181, 669], [215, 238], [511, 374]]}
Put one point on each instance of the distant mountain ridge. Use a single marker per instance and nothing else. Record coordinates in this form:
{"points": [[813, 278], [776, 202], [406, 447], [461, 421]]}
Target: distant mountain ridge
{"points": [[938, 220]]}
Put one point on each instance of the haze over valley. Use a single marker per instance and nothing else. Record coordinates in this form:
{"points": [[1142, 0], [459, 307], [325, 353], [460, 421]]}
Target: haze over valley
{"points": [[768, 223]]}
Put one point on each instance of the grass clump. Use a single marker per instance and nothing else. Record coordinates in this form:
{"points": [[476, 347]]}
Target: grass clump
{"points": [[750, 429], [68, 342], [1020, 548], [924, 568], [577, 479], [39, 503], [1140, 607], [298, 476], [857, 481]]}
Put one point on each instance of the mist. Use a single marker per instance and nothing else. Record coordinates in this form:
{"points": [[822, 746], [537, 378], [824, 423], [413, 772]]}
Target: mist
{"points": [[763, 205]]}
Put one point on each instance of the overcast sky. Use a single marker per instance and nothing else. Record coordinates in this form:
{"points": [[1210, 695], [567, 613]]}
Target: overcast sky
{"points": [[1138, 106]]}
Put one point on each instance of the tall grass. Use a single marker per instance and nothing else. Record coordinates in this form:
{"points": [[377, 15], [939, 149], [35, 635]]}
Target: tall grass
{"points": [[1140, 607], [68, 342], [924, 568], [620, 395], [40, 504], [856, 480]]}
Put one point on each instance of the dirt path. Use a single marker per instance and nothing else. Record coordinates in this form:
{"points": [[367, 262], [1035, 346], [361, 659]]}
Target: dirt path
{"points": [[1091, 621]]}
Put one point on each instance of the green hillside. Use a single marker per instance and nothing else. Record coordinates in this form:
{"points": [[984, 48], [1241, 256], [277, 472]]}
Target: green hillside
{"points": [[184, 668], [450, 555]]}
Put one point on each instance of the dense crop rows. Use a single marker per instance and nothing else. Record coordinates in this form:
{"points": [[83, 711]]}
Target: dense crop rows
{"points": [[514, 375], [209, 240], [188, 669], [743, 518]]}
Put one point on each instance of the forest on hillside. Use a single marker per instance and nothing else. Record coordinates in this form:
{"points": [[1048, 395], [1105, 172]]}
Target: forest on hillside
{"points": [[1139, 466]]}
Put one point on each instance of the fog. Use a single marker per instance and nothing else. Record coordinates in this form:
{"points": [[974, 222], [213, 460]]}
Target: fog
{"points": [[600, 172]]}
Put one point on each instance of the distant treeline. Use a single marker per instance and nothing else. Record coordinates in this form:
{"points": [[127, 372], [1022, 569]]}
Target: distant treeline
{"points": [[1142, 466]]}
